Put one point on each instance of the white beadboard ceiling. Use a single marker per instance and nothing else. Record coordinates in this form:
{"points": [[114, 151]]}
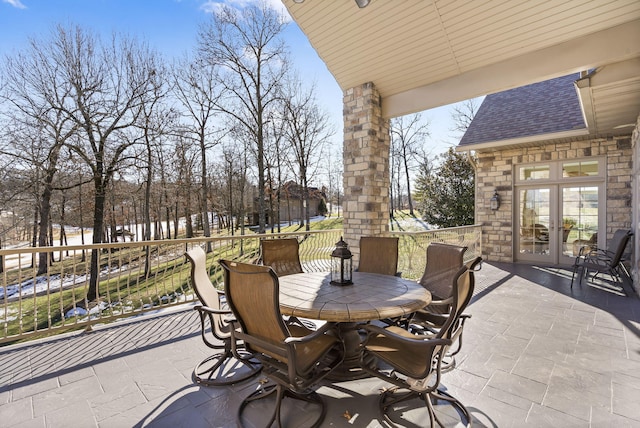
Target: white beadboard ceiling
{"points": [[422, 54]]}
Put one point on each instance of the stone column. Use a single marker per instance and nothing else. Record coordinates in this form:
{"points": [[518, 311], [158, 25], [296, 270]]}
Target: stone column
{"points": [[366, 165]]}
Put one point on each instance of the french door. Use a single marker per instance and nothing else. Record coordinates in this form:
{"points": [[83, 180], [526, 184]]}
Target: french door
{"points": [[553, 221]]}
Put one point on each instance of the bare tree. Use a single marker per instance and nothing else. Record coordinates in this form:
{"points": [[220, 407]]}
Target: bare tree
{"points": [[335, 168], [308, 131], [252, 59], [34, 91], [109, 83], [197, 90], [463, 114], [186, 161], [235, 166], [407, 133], [274, 165]]}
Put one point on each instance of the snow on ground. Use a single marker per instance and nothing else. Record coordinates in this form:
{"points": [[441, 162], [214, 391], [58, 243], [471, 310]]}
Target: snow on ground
{"points": [[50, 283]]}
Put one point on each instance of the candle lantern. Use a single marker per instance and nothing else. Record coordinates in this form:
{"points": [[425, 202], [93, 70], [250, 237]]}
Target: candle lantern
{"points": [[494, 202], [341, 264]]}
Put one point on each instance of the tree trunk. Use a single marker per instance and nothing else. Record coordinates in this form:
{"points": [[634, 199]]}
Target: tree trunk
{"points": [[98, 225], [307, 208], [45, 207], [406, 172]]}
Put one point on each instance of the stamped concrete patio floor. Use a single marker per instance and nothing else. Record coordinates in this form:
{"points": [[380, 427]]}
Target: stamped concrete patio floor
{"points": [[536, 353]]}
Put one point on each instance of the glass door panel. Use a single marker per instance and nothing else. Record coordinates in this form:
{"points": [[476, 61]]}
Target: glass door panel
{"points": [[534, 218], [580, 219]]}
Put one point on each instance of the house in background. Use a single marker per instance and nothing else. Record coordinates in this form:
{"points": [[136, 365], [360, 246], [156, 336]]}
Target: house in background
{"points": [[292, 202], [561, 184]]}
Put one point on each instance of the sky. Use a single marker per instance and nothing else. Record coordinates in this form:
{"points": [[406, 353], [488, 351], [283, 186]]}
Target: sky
{"points": [[170, 26]]}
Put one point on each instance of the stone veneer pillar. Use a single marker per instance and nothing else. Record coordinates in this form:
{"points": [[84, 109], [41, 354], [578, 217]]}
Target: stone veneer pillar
{"points": [[366, 165]]}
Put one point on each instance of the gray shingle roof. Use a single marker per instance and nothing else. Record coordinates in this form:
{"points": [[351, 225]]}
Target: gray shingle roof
{"points": [[541, 108]]}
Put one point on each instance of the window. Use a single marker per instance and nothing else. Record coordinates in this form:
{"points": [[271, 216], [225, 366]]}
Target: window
{"points": [[534, 172], [580, 169], [561, 171]]}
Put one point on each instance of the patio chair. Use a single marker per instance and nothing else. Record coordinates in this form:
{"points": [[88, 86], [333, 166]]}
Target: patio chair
{"points": [[413, 363], [283, 255], [293, 357], [379, 254], [221, 368], [429, 323], [607, 260], [443, 262]]}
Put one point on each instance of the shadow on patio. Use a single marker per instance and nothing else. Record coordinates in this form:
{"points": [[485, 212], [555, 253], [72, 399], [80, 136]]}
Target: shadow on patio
{"points": [[536, 353]]}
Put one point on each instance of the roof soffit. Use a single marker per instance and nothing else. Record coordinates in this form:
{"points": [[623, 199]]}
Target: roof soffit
{"points": [[422, 54]]}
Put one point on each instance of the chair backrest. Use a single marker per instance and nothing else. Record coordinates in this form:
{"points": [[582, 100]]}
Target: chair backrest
{"points": [[422, 363], [443, 262], [473, 266], [204, 288], [617, 245], [283, 255], [463, 283], [252, 294], [378, 254]]}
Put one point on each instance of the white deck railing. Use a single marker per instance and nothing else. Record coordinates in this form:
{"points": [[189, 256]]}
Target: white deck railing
{"points": [[140, 277]]}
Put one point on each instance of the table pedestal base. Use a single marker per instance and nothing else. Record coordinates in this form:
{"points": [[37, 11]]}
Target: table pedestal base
{"points": [[350, 368]]}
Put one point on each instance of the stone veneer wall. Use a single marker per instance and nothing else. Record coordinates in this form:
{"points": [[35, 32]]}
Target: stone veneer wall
{"points": [[495, 170], [366, 165]]}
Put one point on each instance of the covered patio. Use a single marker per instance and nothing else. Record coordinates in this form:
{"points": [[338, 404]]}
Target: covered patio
{"points": [[536, 353], [397, 58]]}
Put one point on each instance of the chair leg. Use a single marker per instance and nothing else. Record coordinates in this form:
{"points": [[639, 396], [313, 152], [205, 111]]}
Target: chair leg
{"points": [[391, 398], [460, 408], [282, 393], [223, 369], [577, 267], [584, 272]]}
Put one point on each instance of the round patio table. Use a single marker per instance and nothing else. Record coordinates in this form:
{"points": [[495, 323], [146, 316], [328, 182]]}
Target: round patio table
{"points": [[371, 297]]}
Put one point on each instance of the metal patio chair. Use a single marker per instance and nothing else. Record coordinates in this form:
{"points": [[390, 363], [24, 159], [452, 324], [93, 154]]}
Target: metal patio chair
{"points": [[283, 255], [429, 323], [222, 368], [413, 363], [293, 357], [607, 260], [443, 262], [379, 254]]}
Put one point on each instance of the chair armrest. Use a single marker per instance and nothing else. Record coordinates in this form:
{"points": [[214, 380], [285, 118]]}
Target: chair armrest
{"points": [[436, 320], [374, 329], [309, 337], [238, 335], [208, 310], [447, 301], [599, 252]]}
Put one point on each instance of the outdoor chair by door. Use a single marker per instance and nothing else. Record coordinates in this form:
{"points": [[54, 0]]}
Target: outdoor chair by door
{"points": [[413, 363], [379, 255], [293, 357], [221, 368], [283, 255], [607, 260]]}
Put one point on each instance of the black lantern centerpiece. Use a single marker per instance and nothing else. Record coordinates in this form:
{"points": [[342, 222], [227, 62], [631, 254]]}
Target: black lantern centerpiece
{"points": [[341, 264]]}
